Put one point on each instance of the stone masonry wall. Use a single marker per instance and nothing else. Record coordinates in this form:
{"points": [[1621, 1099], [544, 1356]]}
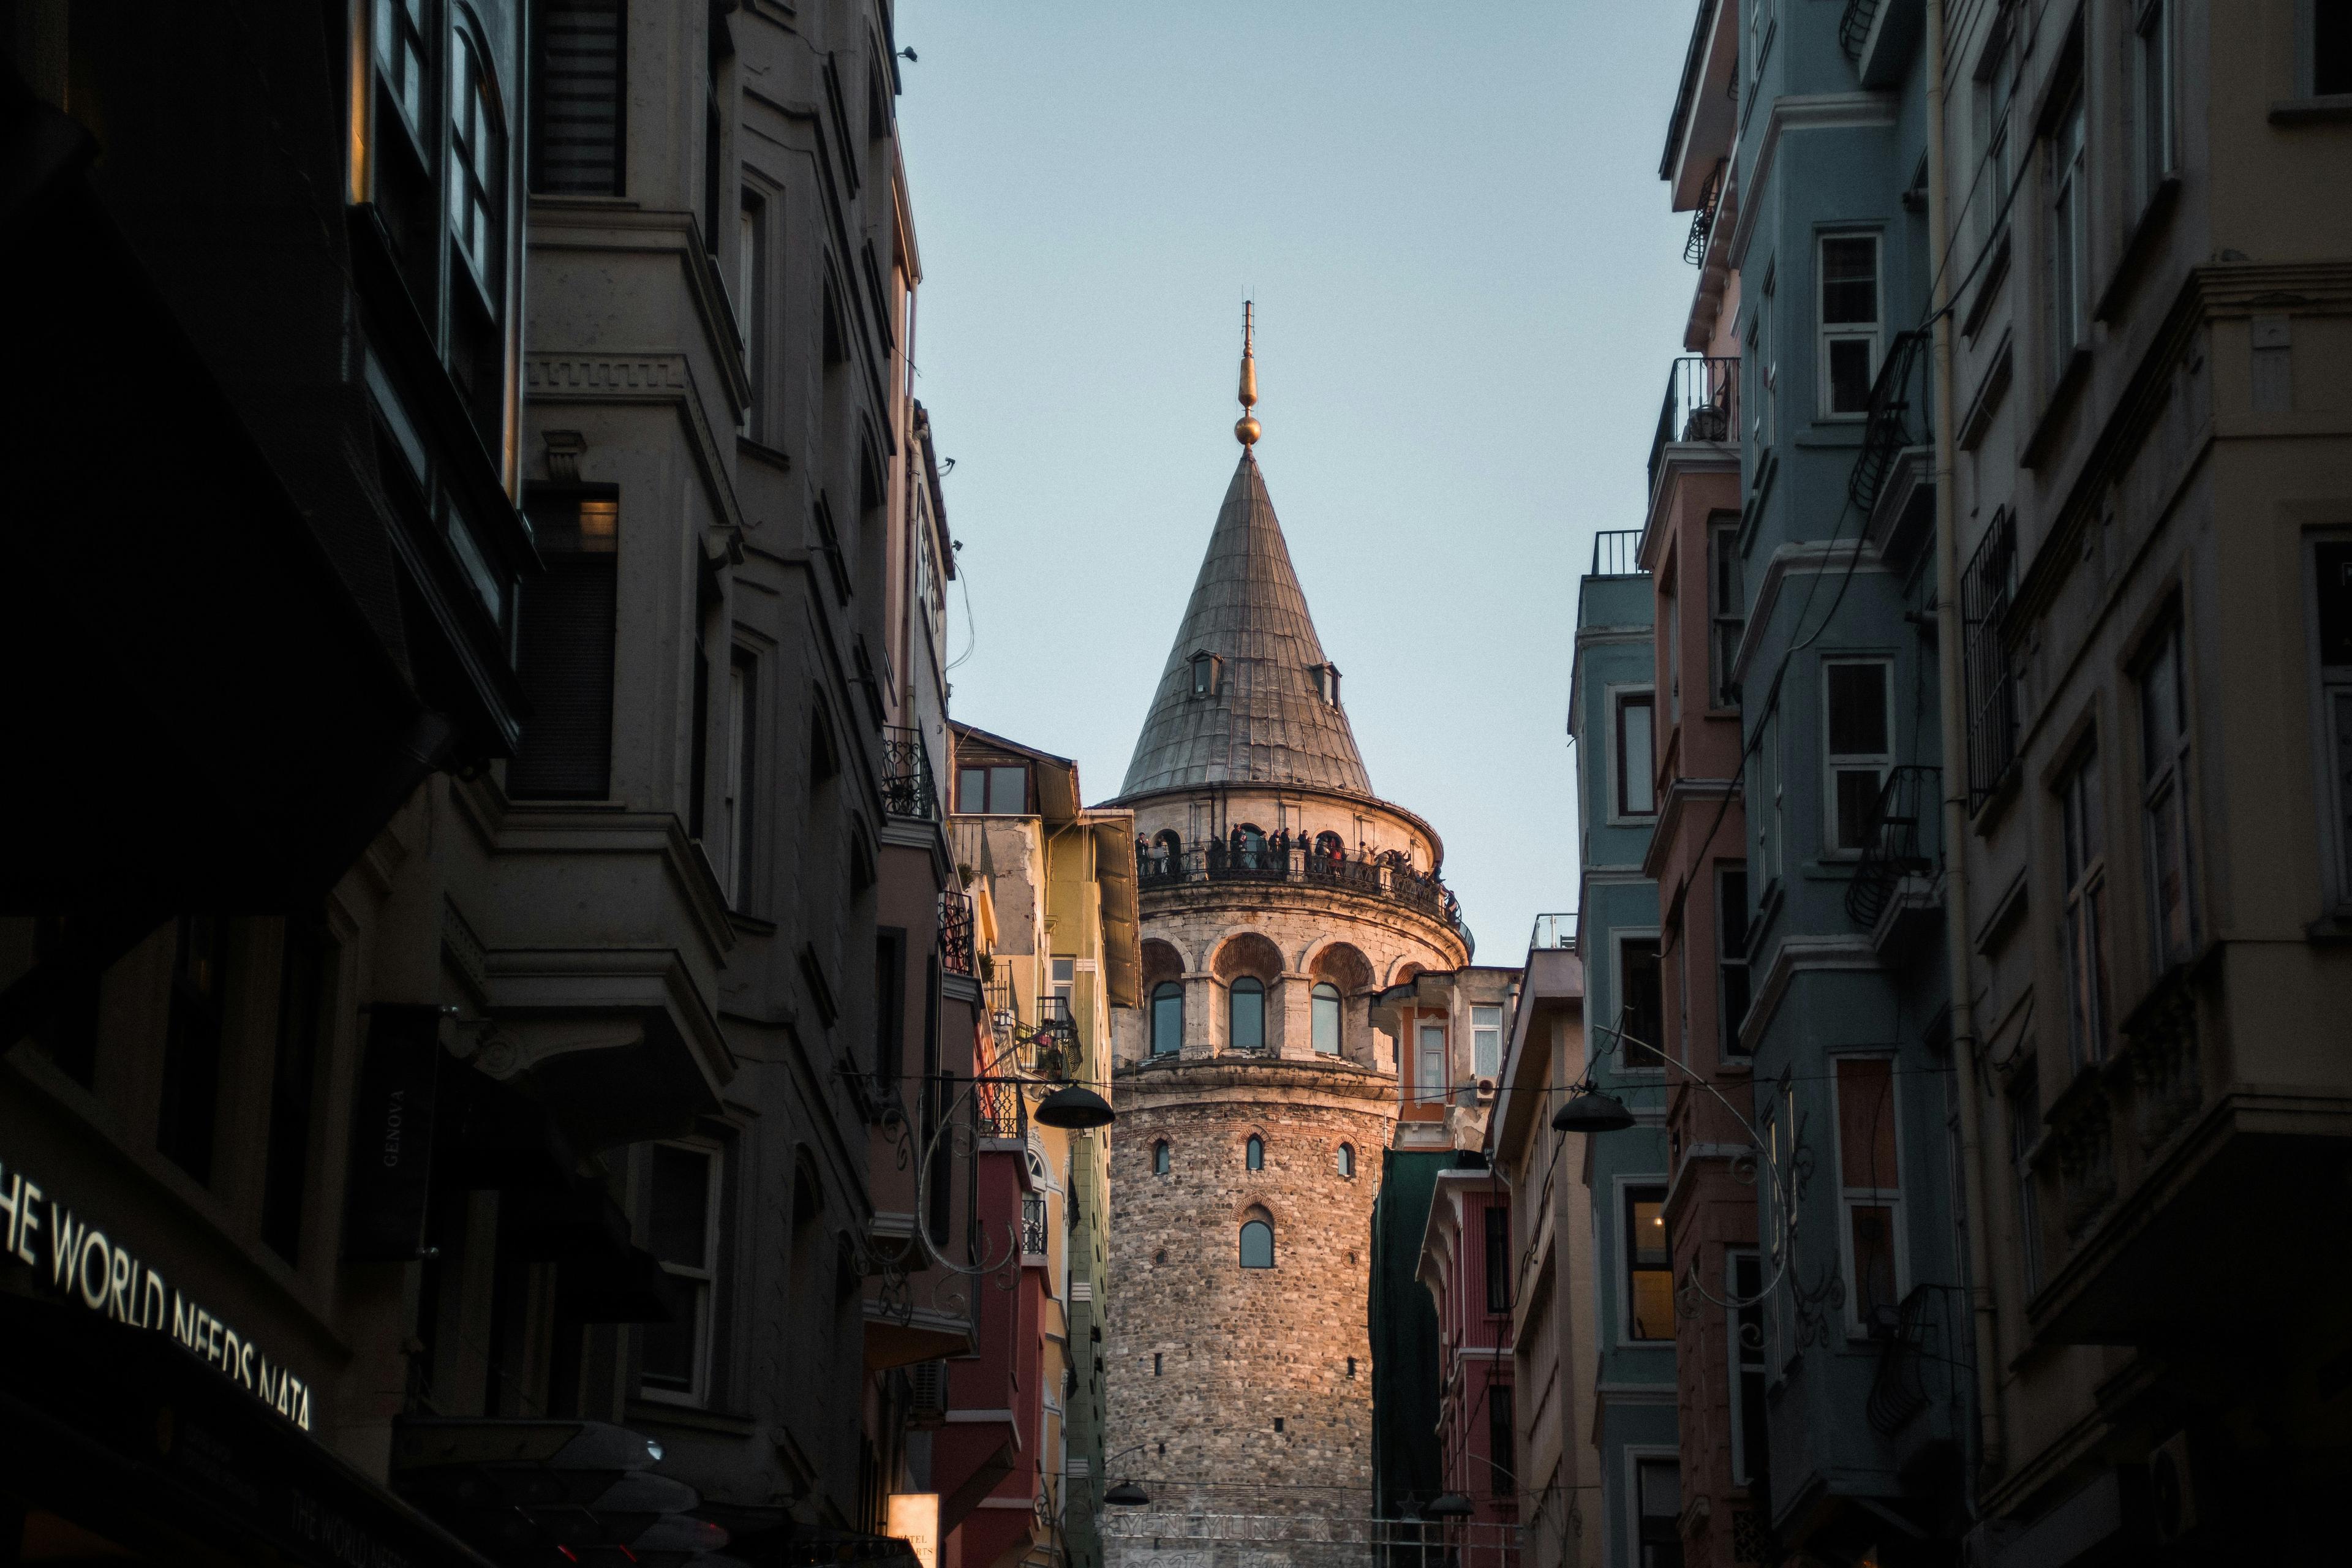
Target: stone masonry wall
{"points": [[1240, 1348]]}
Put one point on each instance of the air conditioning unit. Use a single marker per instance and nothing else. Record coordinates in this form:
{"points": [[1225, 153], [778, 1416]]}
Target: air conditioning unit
{"points": [[927, 1384], [1485, 1088], [2172, 1489]]}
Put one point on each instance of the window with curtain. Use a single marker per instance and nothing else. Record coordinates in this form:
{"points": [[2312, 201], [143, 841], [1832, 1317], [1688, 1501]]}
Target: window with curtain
{"points": [[1245, 1014], [579, 87], [1166, 1018], [1326, 1007]]}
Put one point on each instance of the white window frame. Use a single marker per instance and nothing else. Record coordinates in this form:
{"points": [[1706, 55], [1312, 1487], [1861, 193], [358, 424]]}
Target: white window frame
{"points": [[1424, 1093], [1612, 743], [1834, 764], [1727, 620], [703, 1281], [1339, 1014], [2066, 269], [1851, 1198], [1635, 1454], [1872, 333], [1486, 1043]]}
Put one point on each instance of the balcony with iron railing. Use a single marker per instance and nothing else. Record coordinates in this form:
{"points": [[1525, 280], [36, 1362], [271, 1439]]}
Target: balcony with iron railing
{"points": [[1033, 1229], [1892, 485], [1899, 876], [906, 787], [1050, 1049], [957, 955], [1387, 874], [1701, 405]]}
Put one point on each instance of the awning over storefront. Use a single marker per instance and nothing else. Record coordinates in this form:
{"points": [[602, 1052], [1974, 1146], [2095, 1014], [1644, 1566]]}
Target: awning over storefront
{"points": [[111, 1436]]}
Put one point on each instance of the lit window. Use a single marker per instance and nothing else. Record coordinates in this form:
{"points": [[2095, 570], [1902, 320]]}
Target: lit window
{"points": [[1859, 731], [681, 1231], [1487, 1041], [1245, 1014], [1326, 1007], [1850, 324], [1258, 1241], [1649, 1267], [2163, 795], [1870, 1188], [2085, 870], [1253, 1155], [1166, 1018], [1636, 744]]}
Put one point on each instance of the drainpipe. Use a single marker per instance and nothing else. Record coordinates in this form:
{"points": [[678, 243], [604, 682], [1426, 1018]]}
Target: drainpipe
{"points": [[1951, 691]]}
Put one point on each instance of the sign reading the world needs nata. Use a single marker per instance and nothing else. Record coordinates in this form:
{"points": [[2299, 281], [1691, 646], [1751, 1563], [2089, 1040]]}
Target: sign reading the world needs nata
{"points": [[79, 1261]]}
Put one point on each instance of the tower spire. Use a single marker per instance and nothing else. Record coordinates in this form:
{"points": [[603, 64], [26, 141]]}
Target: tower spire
{"points": [[1246, 430]]}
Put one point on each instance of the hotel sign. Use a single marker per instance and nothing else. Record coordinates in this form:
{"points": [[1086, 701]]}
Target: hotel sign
{"points": [[914, 1519], [75, 1258]]}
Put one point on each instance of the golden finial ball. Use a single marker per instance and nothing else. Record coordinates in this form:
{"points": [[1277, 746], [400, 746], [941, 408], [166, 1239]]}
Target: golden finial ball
{"points": [[1246, 431]]}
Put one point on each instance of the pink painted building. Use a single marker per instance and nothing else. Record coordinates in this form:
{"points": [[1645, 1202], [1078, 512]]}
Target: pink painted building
{"points": [[1467, 1262]]}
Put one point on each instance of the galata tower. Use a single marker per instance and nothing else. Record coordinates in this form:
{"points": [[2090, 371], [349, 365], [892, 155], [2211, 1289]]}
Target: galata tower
{"points": [[1279, 894]]}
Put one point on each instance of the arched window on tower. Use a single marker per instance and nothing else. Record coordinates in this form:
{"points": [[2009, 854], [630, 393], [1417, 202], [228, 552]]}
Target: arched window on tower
{"points": [[1167, 853], [1166, 1018], [1254, 1156], [1347, 1160], [1245, 1014], [1257, 1240], [1329, 847], [1327, 1018], [1159, 1158]]}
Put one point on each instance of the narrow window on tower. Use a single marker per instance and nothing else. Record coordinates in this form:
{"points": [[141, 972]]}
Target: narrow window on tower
{"points": [[1155, 1354]]}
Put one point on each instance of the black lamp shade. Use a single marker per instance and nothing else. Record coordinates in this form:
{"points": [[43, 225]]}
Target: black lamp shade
{"points": [[1446, 1505], [1591, 1111], [1127, 1494], [1074, 1107]]}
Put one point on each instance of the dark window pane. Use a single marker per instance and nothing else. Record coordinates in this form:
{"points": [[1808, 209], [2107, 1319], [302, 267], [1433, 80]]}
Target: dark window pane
{"points": [[1874, 1260], [1247, 1006], [192, 1050], [1731, 913], [1257, 1245], [1850, 279], [576, 149], [1857, 698], [2331, 46], [67, 1033], [1850, 376], [679, 1219], [972, 790], [1644, 1004], [566, 656], [292, 1086], [1166, 1018], [1866, 1097], [1008, 790], [1857, 796]]}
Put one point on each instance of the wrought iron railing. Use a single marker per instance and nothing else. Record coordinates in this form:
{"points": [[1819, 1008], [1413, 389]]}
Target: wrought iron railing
{"points": [[1032, 1224], [1158, 865], [1703, 220], [1553, 932], [1248, 859], [1050, 1049], [1363, 874], [956, 953], [998, 1111], [1901, 838], [1388, 875], [1854, 27], [1702, 404], [1899, 416], [906, 787], [1992, 690]]}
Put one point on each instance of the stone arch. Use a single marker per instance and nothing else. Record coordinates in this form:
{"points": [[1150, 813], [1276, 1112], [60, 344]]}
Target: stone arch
{"points": [[1246, 951], [1341, 962], [1259, 1239], [1161, 961], [1406, 970]]}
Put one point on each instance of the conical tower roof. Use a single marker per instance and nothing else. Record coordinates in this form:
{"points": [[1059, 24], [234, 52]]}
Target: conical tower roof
{"points": [[1267, 720]]}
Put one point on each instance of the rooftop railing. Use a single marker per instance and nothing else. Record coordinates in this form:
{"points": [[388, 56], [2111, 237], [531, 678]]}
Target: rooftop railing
{"points": [[1702, 404], [1553, 932], [1387, 875], [1617, 552]]}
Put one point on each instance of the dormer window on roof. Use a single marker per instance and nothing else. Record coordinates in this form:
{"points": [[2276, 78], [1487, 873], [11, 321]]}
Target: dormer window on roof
{"points": [[1206, 668], [1326, 683]]}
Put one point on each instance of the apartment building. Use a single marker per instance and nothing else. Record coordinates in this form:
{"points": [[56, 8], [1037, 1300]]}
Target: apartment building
{"points": [[1064, 972], [2151, 476]]}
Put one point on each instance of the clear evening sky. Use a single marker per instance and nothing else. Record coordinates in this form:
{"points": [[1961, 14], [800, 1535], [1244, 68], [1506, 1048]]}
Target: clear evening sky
{"points": [[1469, 288]]}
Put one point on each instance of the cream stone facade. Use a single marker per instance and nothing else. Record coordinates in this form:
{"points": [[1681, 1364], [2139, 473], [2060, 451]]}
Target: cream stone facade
{"points": [[1278, 898]]}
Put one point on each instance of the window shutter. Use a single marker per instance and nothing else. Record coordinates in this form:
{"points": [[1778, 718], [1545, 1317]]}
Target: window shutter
{"points": [[566, 664], [576, 148]]}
